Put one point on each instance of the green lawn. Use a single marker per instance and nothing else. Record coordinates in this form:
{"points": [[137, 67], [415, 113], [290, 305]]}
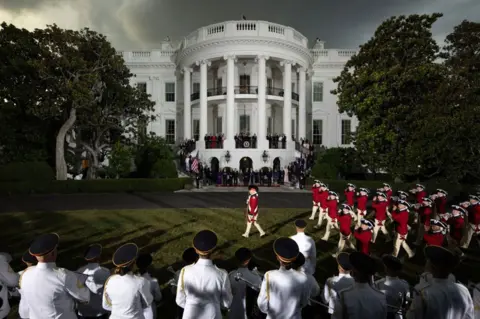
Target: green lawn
{"points": [[167, 232]]}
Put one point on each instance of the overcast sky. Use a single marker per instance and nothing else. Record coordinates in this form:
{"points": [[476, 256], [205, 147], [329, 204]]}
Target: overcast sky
{"points": [[141, 24]]}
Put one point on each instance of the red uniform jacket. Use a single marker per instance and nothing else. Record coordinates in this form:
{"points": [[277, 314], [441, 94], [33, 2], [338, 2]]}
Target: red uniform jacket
{"points": [[345, 221], [362, 203], [456, 227], [322, 196], [332, 209], [315, 194], [434, 239], [363, 238], [425, 213], [474, 214], [419, 196], [252, 207], [350, 196], [380, 210], [389, 196], [401, 221], [441, 204], [214, 141]]}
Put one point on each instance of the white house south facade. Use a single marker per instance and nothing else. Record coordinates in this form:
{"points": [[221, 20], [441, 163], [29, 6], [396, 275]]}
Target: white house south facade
{"points": [[250, 78]]}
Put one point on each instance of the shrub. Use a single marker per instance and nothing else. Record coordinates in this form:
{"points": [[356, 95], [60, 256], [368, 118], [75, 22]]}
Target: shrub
{"points": [[164, 169], [26, 171]]}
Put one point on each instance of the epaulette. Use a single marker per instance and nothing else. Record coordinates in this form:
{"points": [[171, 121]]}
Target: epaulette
{"points": [[21, 276]]}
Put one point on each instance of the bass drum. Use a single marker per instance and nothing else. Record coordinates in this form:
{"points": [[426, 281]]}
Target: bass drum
{"points": [[253, 312]]}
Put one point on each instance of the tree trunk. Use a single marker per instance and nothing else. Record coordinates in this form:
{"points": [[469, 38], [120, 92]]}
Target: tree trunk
{"points": [[60, 163]]}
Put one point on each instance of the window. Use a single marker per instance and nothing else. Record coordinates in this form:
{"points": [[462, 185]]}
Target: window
{"points": [[219, 87], [317, 136], [269, 87], [346, 131], [317, 91], [196, 129], [293, 128], [218, 129], [293, 87], [142, 128], [245, 123], [142, 86], [244, 84], [219, 83], [169, 92], [269, 126], [196, 87], [170, 131]]}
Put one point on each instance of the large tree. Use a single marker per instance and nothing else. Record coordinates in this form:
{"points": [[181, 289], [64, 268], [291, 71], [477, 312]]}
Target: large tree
{"points": [[392, 77]]}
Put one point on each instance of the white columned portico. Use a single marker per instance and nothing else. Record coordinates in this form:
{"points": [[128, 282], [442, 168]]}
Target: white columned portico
{"points": [[203, 98], [262, 96], [230, 106], [302, 111], [187, 103], [287, 99]]}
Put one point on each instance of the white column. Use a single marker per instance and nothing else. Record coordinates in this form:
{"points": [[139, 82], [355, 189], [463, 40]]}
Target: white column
{"points": [[230, 106], [302, 111], [262, 95], [187, 104], [287, 99], [203, 97]]}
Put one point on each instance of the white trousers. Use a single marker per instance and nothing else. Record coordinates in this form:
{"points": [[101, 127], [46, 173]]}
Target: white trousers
{"points": [[322, 216], [315, 208], [401, 242], [472, 229], [360, 214], [249, 226], [345, 240], [330, 225], [379, 227]]}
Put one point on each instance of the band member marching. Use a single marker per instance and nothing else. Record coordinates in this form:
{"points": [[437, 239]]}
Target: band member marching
{"points": [[425, 213], [401, 195], [252, 211], [332, 214], [323, 197], [315, 199], [380, 205], [456, 223], [387, 190], [362, 199], [363, 235], [440, 200], [435, 233], [400, 216], [345, 221], [420, 194], [473, 227], [350, 194]]}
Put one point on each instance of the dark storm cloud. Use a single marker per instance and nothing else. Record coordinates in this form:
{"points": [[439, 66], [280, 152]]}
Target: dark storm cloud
{"points": [[341, 23]]}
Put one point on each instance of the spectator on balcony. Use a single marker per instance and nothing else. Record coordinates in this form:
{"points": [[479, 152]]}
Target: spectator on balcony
{"points": [[213, 140], [284, 141]]}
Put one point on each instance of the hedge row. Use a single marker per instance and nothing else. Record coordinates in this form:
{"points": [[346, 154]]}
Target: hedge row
{"points": [[128, 185]]}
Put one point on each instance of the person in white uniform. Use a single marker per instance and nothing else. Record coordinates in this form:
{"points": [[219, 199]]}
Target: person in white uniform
{"points": [[306, 245], [240, 290], [361, 300], [203, 289], [189, 257], [396, 290], [8, 279], [308, 312], [335, 284], [29, 261], [144, 261], [284, 292], [96, 276], [441, 298], [126, 295], [51, 292]]}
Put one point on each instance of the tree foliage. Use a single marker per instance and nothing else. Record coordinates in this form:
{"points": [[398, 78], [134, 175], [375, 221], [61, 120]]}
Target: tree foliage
{"points": [[154, 158]]}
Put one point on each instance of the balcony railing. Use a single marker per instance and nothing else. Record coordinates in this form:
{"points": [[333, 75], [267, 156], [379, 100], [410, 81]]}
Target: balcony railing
{"points": [[242, 90]]}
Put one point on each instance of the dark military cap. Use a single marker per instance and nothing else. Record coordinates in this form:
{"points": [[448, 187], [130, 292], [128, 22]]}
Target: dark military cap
{"points": [[332, 193], [474, 197], [205, 242], [351, 185], [28, 258], [436, 222], [189, 255], [299, 262], [381, 194], [255, 187], [44, 244], [403, 202], [387, 185], [286, 249], [125, 255], [402, 193], [441, 257], [441, 191], [460, 209], [343, 259], [144, 260], [93, 252], [300, 223], [363, 189], [363, 263], [346, 206], [243, 254], [420, 186], [427, 199], [392, 262], [367, 222]]}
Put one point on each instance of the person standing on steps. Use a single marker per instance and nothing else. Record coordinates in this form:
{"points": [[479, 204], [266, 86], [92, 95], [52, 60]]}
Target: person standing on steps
{"points": [[251, 213]]}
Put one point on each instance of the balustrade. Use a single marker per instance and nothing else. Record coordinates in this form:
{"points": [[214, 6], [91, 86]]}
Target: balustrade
{"points": [[243, 90]]}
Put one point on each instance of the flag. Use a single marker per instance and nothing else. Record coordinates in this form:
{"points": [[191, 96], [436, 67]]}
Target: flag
{"points": [[195, 164]]}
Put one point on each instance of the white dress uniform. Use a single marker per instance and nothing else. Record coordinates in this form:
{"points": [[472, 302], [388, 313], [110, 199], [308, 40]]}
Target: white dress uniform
{"points": [[155, 290], [476, 301], [284, 293], [239, 306], [396, 291], [360, 301], [333, 286], [312, 284], [202, 290], [8, 279], [127, 296], [51, 292], [23, 309], [97, 276], [307, 247], [442, 299]]}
